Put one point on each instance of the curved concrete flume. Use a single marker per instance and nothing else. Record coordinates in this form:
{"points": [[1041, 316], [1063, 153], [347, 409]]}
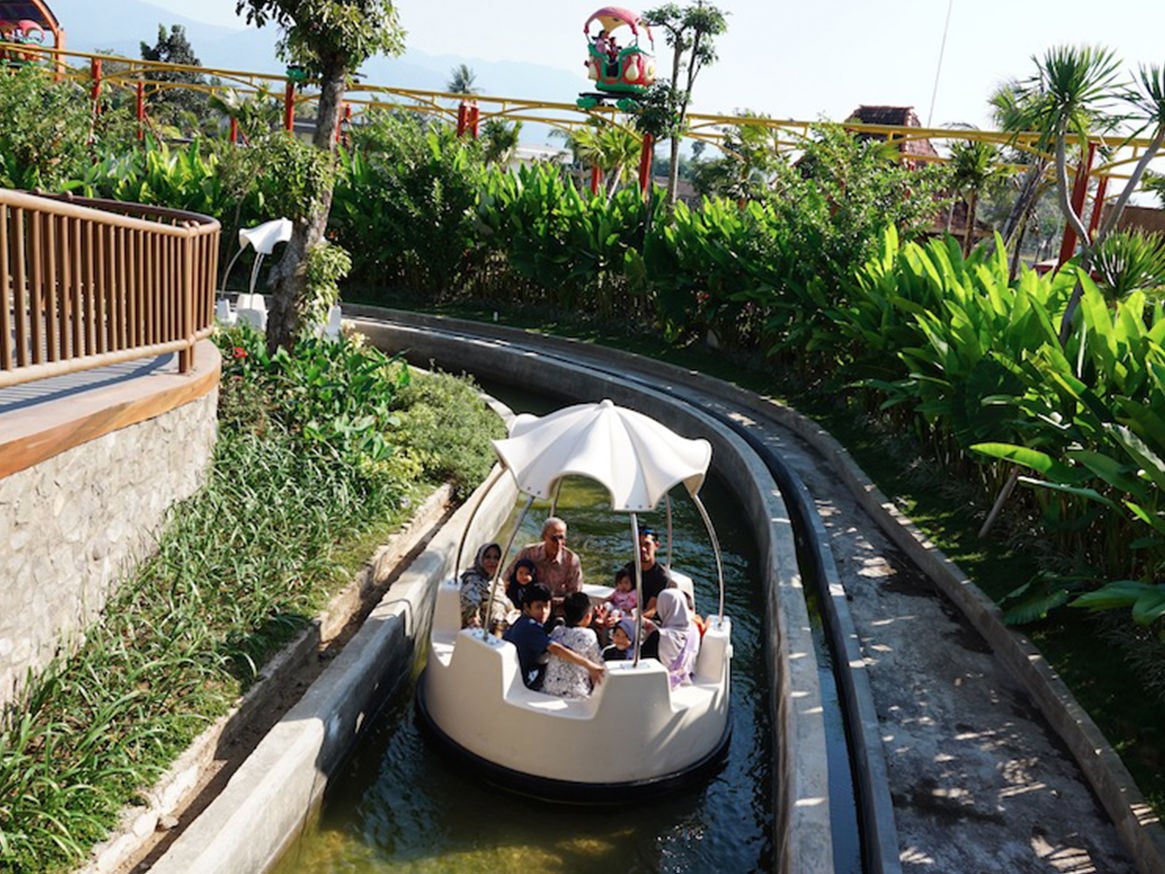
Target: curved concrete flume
{"points": [[267, 800], [1138, 827]]}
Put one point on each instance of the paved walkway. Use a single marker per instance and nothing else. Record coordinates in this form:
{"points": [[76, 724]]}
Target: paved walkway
{"points": [[980, 783]]}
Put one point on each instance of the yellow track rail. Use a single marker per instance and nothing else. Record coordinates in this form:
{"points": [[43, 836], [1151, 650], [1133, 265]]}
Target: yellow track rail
{"points": [[127, 73]]}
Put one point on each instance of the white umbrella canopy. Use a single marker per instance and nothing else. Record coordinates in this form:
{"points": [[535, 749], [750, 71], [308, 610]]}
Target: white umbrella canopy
{"points": [[635, 457]]}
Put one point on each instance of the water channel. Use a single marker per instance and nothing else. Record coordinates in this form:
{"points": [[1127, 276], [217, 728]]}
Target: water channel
{"points": [[397, 805]]}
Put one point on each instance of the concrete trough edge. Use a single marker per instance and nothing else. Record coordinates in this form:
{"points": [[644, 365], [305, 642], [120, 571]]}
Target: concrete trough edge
{"points": [[1139, 828], [803, 831]]}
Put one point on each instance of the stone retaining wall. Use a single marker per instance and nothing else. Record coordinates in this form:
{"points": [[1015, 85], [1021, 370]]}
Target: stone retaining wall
{"points": [[74, 524]]}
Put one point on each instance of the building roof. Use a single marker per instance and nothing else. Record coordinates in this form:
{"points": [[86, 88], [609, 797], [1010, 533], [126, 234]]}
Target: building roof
{"points": [[902, 116], [29, 10], [896, 116]]}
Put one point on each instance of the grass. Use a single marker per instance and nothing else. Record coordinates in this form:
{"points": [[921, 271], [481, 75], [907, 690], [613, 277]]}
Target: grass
{"points": [[241, 567], [1079, 645]]}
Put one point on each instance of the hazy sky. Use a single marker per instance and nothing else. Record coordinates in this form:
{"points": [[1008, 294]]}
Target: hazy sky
{"points": [[801, 60]]}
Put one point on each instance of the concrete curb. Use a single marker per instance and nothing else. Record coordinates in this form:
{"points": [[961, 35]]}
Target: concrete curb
{"points": [[803, 833], [267, 801], [1138, 826]]}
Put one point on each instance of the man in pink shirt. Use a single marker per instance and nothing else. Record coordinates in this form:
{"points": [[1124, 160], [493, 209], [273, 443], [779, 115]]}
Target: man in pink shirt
{"points": [[557, 567]]}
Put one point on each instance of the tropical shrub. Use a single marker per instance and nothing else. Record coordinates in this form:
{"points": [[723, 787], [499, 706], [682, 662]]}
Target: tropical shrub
{"points": [[403, 204], [48, 131]]}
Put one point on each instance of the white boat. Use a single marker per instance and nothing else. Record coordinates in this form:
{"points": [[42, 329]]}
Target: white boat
{"points": [[634, 734]]}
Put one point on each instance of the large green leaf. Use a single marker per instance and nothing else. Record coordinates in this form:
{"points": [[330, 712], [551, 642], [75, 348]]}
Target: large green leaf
{"points": [[1031, 458]]}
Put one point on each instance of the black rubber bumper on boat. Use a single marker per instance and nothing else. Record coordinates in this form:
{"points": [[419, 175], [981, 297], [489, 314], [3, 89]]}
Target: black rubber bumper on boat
{"points": [[570, 791]]}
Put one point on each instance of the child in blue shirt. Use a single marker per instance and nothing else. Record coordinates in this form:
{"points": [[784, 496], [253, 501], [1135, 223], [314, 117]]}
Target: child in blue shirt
{"points": [[534, 645]]}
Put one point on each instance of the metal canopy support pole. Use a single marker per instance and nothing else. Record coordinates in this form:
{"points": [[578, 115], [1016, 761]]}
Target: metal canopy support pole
{"points": [[715, 548], [667, 506], [554, 501], [462, 117], [493, 587], [234, 131], [596, 178], [490, 482], [638, 587]]}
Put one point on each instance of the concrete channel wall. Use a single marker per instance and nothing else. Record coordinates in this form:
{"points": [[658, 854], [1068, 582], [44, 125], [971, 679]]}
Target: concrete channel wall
{"points": [[1139, 827], [801, 790], [269, 799]]}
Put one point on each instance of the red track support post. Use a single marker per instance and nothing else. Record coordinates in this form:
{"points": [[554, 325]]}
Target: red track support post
{"points": [[1079, 192], [1097, 206], [596, 178], [234, 130], [462, 117], [345, 117], [141, 110], [645, 151], [289, 107], [95, 71], [474, 118]]}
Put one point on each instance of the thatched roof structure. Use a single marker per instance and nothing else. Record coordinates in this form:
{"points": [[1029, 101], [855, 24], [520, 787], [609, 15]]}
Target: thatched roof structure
{"points": [[896, 116]]}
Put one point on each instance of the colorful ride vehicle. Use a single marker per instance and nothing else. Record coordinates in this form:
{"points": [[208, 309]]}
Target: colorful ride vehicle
{"points": [[670, 729], [620, 71], [23, 31]]}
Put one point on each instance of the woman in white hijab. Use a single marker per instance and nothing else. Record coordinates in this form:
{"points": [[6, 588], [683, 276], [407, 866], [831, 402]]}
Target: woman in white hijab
{"points": [[679, 639]]}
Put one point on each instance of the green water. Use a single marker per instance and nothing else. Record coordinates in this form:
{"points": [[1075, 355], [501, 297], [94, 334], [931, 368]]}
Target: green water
{"points": [[398, 806]]}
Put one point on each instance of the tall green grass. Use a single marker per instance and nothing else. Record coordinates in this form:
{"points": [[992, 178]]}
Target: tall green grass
{"points": [[239, 569]]}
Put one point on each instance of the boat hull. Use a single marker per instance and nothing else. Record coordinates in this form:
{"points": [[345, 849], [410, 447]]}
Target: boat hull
{"points": [[633, 736]]}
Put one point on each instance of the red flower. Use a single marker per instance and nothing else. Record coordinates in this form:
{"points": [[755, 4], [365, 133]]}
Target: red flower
{"points": [[240, 352]]}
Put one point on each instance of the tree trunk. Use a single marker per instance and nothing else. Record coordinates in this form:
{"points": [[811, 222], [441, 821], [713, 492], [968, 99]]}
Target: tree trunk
{"points": [[1016, 248], [1024, 202], [674, 144], [969, 231], [287, 279]]}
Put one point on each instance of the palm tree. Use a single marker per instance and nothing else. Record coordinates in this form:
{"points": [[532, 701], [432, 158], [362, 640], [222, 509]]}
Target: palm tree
{"points": [[500, 140], [974, 165], [1071, 87], [612, 148], [461, 79]]}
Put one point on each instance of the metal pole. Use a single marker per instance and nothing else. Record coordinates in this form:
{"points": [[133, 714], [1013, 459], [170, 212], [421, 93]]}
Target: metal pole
{"points": [[667, 505], [596, 178], [462, 117], [638, 588], [645, 150], [1097, 205], [141, 109], [95, 70], [493, 587], [557, 492], [289, 107], [234, 130], [490, 482], [715, 548]]}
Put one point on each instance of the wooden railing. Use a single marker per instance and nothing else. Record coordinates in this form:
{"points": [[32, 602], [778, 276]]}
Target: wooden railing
{"points": [[88, 283]]}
